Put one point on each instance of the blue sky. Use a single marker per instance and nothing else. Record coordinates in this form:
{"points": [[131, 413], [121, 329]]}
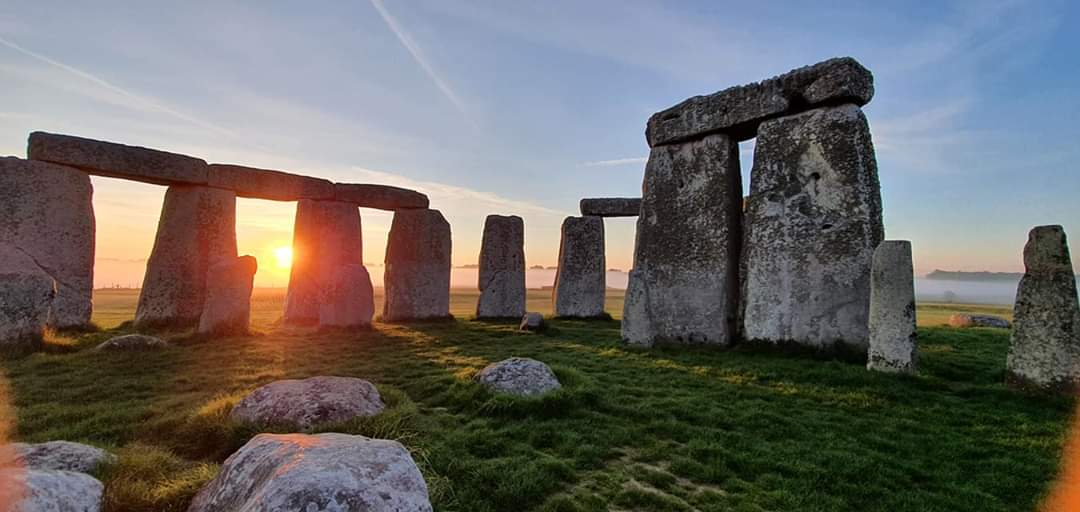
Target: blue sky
{"points": [[525, 107]]}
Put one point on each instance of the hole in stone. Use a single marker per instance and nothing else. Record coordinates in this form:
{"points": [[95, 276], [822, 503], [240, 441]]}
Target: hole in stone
{"points": [[826, 227], [815, 176]]}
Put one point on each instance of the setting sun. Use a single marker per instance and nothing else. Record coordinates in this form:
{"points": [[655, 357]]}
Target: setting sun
{"points": [[283, 257]]}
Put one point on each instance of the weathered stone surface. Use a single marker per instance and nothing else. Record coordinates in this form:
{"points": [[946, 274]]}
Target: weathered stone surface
{"points": [[502, 268], [519, 376], [58, 455], [50, 491], [308, 402], [331, 472], [611, 206], [961, 320], [268, 184], [348, 299], [227, 309], [326, 236], [684, 284], [812, 222], [117, 160], [132, 342], [417, 274], [46, 212], [532, 322], [738, 111], [26, 296], [580, 282], [1044, 351], [382, 197], [197, 229], [892, 310]]}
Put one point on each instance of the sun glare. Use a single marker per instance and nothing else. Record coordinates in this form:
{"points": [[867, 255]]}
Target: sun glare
{"points": [[283, 257]]}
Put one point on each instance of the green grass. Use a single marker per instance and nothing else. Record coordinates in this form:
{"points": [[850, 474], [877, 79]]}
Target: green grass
{"points": [[674, 429]]}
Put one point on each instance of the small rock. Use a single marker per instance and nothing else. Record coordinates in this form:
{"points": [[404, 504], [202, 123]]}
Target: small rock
{"points": [[60, 456], [50, 491], [532, 322], [133, 342], [326, 472], [966, 320], [518, 376], [310, 401]]}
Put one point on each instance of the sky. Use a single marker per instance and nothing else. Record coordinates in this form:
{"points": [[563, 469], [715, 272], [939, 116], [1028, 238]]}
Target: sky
{"points": [[524, 108]]}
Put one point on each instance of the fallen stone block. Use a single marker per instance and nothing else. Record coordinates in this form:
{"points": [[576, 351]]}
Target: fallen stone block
{"points": [[812, 222], [502, 268], [580, 281], [48, 214], [417, 272], [197, 228], [268, 184], [117, 160], [348, 299], [337, 472], [1044, 351], [611, 206], [382, 197], [326, 236], [737, 111], [227, 309], [309, 402], [683, 287], [37, 490], [892, 310]]}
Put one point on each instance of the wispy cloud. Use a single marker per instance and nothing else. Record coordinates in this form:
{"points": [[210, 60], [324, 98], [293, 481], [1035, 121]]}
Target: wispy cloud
{"points": [[418, 55], [143, 100], [616, 161]]}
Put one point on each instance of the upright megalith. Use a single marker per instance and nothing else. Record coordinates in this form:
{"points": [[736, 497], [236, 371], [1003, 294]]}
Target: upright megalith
{"points": [[812, 222], [417, 273], [1044, 351], [892, 309], [684, 284], [502, 268], [26, 296], [348, 299], [227, 310], [580, 282], [196, 230], [46, 213], [326, 236]]}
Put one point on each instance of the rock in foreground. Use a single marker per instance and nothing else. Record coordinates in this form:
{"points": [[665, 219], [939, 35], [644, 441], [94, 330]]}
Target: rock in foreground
{"points": [[60, 456], [965, 320], [50, 491], [325, 472], [519, 376], [310, 401], [133, 342]]}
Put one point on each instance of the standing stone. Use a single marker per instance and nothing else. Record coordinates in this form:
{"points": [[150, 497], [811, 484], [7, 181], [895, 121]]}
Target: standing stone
{"points": [[197, 229], [26, 295], [580, 282], [892, 309], [417, 270], [502, 268], [348, 299], [683, 287], [1045, 348], [326, 236], [228, 297], [812, 222], [46, 212]]}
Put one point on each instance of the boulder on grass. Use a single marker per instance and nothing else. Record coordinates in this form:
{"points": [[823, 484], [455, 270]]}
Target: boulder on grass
{"points": [[58, 456], [324, 472], [966, 320], [305, 403], [519, 376], [130, 342], [38, 490], [532, 322]]}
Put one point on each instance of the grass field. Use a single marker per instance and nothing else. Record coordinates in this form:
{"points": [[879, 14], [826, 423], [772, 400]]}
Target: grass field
{"points": [[668, 429]]}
